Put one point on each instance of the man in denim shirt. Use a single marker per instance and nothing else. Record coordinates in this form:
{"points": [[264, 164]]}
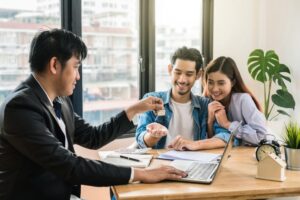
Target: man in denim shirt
{"points": [[185, 114]]}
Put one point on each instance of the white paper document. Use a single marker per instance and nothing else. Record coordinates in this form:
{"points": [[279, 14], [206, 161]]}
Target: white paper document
{"points": [[126, 160], [133, 151], [189, 155]]}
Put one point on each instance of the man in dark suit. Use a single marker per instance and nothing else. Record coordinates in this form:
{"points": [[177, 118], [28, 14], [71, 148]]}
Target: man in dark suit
{"points": [[38, 128]]}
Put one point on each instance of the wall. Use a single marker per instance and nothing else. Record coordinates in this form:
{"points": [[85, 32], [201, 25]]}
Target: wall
{"points": [[242, 26]]}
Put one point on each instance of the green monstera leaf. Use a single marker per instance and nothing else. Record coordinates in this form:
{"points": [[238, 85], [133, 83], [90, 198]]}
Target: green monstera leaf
{"points": [[280, 75], [284, 99], [266, 68], [262, 66]]}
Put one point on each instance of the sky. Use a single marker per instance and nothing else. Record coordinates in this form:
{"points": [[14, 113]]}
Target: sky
{"points": [[18, 4]]}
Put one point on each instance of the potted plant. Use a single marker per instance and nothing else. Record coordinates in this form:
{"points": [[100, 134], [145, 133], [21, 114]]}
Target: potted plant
{"points": [[292, 146], [266, 68]]}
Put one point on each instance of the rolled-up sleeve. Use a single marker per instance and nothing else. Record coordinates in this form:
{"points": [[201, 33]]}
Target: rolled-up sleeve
{"points": [[221, 133], [254, 123]]}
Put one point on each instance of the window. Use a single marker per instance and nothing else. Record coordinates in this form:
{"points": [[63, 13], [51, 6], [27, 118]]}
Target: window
{"points": [[18, 24], [178, 23], [110, 28], [110, 72]]}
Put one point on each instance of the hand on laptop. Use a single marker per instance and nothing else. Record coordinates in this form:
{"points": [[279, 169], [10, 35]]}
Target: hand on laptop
{"points": [[153, 175], [181, 144], [155, 131]]}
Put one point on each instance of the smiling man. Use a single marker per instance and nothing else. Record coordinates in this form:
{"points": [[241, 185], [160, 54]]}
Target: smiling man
{"points": [[185, 121], [38, 128]]}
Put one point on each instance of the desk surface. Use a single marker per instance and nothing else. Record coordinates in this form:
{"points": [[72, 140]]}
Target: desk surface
{"points": [[236, 180]]}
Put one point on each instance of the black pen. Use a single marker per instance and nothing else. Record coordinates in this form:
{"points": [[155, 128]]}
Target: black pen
{"points": [[128, 158]]}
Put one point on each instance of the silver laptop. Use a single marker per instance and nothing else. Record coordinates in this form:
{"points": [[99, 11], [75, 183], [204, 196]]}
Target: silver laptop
{"points": [[204, 172]]}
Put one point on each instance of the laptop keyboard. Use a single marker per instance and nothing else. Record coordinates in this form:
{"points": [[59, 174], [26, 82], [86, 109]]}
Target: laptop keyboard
{"points": [[200, 170]]}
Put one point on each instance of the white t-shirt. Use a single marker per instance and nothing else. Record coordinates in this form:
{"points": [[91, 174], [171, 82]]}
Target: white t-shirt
{"points": [[181, 122]]}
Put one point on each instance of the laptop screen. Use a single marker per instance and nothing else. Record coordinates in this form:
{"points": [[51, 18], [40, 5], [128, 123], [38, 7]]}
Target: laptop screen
{"points": [[228, 147]]}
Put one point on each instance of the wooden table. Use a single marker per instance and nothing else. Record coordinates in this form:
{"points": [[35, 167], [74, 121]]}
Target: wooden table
{"points": [[236, 180]]}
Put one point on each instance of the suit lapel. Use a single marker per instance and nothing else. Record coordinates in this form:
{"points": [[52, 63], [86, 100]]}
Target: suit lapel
{"points": [[46, 102], [67, 118]]}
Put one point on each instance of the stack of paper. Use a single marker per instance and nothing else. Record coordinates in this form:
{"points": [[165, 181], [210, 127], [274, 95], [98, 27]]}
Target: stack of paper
{"points": [[189, 155], [127, 160]]}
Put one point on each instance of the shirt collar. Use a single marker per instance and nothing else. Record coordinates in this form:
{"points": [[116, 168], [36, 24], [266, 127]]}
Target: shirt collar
{"points": [[195, 102], [51, 103]]}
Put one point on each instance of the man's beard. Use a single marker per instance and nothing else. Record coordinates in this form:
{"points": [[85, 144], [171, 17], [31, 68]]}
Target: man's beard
{"points": [[183, 92]]}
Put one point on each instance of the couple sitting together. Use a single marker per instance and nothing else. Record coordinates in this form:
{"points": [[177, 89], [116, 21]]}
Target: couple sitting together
{"points": [[194, 122]]}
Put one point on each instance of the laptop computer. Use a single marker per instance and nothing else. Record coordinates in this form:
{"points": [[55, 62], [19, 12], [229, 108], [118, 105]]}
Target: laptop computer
{"points": [[204, 172]]}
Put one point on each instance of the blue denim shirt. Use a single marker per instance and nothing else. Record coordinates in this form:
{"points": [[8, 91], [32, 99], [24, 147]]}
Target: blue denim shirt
{"points": [[199, 112]]}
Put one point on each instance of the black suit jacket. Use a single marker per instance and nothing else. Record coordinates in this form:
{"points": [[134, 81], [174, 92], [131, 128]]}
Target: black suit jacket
{"points": [[33, 161]]}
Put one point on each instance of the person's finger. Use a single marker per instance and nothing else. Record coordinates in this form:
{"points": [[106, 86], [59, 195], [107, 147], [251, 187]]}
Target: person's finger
{"points": [[174, 177], [160, 133], [172, 144], [177, 138], [155, 134], [151, 125], [181, 145], [153, 100], [217, 106], [149, 129], [217, 102], [220, 106], [159, 101], [220, 111], [154, 126], [177, 145], [164, 133], [217, 110], [185, 148], [156, 107], [156, 100], [174, 173], [179, 172], [175, 142]]}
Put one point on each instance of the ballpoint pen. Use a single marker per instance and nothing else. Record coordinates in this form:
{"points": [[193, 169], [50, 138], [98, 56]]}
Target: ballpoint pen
{"points": [[128, 158]]}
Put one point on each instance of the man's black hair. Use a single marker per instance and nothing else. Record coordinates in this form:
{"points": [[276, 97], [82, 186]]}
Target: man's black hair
{"points": [[191, 54], [58, 43]]}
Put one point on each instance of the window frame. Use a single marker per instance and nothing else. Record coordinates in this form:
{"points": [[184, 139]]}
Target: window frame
{"points": [[71, 20]]}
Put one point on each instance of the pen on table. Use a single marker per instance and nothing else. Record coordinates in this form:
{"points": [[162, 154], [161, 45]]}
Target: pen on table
{"points": [[128, 158]]}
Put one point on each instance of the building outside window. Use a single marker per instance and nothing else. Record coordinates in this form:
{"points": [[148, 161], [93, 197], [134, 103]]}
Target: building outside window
{"points": [[177, 23], [110, 30], [19, 22]]}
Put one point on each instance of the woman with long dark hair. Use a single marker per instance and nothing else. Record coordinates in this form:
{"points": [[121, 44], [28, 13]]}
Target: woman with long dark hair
{"points": [[232, 102]]}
